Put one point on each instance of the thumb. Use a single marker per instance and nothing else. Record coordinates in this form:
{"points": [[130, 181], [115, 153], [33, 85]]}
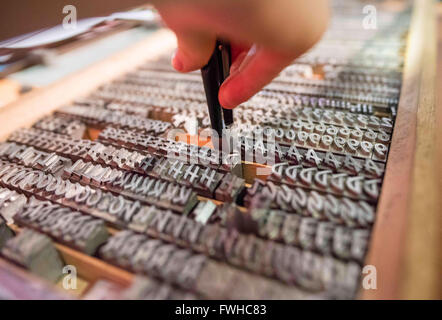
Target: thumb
{"points": [[194, 50]]}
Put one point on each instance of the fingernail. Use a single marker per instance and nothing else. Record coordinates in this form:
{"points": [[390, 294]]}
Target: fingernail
{"points": [[176, 62], [224, 97]]}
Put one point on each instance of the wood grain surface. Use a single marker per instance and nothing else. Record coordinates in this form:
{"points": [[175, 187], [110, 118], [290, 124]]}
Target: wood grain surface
{"points": [[405, 248]]}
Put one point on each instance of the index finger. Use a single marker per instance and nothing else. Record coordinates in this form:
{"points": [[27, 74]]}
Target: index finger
{"points": [[259, 68]]}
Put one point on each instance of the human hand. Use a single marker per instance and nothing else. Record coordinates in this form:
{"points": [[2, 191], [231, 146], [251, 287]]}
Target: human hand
{"points": [[265, 36]]}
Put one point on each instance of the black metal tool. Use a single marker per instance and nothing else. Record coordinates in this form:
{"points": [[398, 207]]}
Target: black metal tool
{"points": [[214, 73]]}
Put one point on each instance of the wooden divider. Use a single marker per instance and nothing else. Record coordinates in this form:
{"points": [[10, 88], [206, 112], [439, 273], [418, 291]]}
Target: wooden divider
{"points": [[408, 187]]}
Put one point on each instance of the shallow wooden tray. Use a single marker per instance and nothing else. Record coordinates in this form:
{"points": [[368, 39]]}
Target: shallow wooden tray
{"points": [[405, 245]]}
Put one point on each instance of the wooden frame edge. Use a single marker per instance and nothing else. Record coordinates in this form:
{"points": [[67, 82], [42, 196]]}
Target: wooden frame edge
{"points": [[387, 249]]}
